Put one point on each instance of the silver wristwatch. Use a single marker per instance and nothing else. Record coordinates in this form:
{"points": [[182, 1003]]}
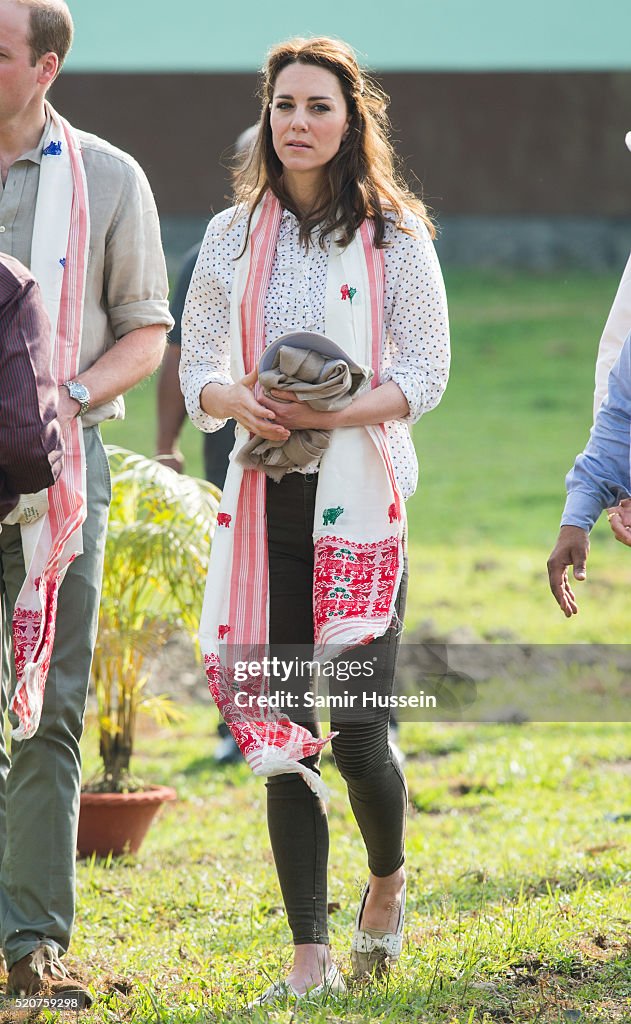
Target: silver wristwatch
{"points": [[80, 393]]}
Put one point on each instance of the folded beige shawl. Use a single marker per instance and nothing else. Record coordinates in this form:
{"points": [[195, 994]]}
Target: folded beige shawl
{"points": [[325, 384]]}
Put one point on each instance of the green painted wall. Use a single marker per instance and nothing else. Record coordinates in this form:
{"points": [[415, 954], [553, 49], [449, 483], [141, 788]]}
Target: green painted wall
{"points": [[453, 35]]}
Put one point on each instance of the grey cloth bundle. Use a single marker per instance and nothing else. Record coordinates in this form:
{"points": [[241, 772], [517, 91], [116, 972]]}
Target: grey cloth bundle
{"points": [[324, 383]]}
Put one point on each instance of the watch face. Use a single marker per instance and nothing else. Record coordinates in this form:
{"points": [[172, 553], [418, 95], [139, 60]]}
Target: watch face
{"points": [[80, 394]]}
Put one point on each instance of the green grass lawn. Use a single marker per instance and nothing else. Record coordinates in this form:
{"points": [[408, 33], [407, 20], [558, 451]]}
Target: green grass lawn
{"points": [[493, 458], [518, 876], [518, 853]]}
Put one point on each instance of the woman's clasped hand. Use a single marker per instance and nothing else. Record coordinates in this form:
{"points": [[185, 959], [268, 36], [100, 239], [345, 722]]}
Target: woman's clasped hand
{"points": [[237, 402]]}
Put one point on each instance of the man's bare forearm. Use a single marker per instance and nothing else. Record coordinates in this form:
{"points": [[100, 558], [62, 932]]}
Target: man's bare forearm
{"points": [[136, 356]]}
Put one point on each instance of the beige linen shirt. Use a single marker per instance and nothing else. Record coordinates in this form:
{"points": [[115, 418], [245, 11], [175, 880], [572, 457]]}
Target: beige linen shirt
{"points": [[127, 283]]}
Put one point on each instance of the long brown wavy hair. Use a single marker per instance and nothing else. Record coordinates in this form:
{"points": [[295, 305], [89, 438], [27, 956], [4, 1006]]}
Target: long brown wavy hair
{"points": [[361, 180]]}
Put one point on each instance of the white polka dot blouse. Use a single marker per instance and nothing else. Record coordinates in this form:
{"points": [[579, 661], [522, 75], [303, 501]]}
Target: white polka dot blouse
{"points": [[415, 352]]}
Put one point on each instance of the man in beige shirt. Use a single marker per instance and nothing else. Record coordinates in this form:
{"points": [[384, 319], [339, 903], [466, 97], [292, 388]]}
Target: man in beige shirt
{"points": [[125, 319]]}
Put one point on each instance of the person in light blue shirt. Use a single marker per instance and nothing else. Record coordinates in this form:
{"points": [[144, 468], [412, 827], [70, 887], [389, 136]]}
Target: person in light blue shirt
{"points": [[600, 479], [600, 476]]}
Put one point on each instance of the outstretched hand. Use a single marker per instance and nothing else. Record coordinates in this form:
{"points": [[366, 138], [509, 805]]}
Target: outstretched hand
{"points": [[571, 548]]}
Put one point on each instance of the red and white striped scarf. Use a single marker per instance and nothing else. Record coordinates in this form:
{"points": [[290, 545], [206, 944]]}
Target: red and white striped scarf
{"points": [[61, 236], [359, 520]]}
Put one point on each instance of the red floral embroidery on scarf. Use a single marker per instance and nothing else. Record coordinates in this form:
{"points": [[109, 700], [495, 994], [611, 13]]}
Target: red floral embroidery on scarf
{"points": [[246, 724], [27, 625], [222, 632], [353, 580], [28, 643], [222, 689], [392, 512], [223, 519]]}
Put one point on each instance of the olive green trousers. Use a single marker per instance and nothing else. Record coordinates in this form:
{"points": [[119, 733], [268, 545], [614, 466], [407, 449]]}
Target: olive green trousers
{"points": [[41, 777]]}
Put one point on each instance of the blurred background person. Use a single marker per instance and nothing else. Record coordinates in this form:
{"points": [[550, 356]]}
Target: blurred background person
{"points": [[171, 412], [600, 479], [600, 475], [616, 329]]}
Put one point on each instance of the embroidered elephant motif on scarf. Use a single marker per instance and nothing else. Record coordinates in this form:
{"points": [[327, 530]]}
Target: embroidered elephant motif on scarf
{"points": [[331, 515]]}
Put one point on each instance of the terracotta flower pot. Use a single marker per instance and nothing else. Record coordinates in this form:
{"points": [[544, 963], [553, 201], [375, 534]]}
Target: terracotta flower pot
{"points": [[118, 822]]}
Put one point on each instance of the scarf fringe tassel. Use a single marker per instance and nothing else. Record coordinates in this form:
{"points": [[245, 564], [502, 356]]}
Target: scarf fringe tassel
{"points": [[270, 760]]}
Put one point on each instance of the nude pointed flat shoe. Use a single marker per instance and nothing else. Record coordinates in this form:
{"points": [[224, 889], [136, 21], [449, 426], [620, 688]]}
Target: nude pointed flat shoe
{"points": [[373, 955]]}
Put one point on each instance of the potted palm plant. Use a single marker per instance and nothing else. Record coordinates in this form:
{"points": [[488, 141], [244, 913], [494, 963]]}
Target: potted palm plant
{"points": [[156, 556]]}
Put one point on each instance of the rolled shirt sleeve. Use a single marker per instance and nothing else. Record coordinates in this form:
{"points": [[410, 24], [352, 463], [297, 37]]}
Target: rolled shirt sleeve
{"points": [[601, 474], [136, 283], [127, 285]]}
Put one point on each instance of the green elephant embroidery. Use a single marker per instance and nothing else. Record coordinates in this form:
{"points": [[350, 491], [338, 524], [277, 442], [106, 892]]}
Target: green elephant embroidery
{"points": [[331, 515]]}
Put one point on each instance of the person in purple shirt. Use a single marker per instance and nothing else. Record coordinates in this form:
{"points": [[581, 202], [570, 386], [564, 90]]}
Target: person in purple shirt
{"points": [[31, 449]]}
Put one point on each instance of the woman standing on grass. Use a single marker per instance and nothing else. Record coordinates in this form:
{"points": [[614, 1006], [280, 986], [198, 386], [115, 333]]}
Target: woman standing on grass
{"points": [[324, 238]]}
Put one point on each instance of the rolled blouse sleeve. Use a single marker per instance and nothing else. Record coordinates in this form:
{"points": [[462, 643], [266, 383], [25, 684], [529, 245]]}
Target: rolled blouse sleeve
{"points": [[205, 355], [417, 354]]}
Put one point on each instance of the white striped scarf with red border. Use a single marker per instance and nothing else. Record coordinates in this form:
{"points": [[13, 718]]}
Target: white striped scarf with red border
{"points": [[61, 236], [359, 520]]}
